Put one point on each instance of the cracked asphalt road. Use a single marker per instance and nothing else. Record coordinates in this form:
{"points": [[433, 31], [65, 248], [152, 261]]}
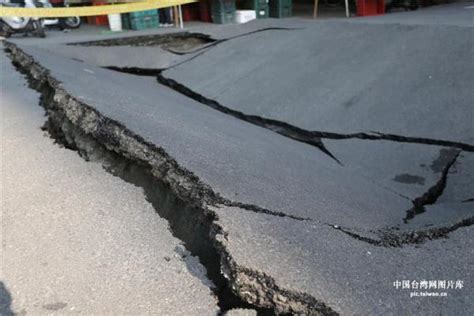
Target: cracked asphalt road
{"points": [[296, 230], [77, 240]]}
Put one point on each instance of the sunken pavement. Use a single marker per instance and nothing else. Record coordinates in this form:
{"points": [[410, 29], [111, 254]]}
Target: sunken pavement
{"points": [[309, 166]]}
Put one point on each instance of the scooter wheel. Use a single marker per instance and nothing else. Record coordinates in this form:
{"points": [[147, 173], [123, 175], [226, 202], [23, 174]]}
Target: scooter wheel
{"points": [[72, 22]]}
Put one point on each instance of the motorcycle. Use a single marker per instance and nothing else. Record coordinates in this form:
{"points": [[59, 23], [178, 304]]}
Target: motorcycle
{"points": [[22, 25]]}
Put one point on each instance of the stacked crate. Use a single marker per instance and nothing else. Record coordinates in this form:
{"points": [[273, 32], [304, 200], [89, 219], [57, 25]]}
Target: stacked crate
{"points": [[281, 8], [141, 20], [260, 6], [223, 11]]}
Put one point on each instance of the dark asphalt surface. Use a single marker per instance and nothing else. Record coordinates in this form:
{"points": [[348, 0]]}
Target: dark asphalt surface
{"points": [[346, 78], [260, 167], [352, 277], [405, 168], [398, 78], [248, 164]]}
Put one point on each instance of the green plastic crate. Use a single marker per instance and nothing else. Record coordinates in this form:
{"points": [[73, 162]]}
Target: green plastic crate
{"points": [[260, 6], [223, 17], [144, 22], [133, 22], [223, 11], [143, 13]]}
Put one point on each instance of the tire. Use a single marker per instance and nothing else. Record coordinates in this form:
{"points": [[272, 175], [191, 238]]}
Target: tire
{"points": [[39, 30], [72, 22]]}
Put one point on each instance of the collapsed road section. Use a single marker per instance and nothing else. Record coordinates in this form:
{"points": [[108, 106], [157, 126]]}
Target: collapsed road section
{"points": [[77, 240], [78, 127], [278, 222], [221, 181]]}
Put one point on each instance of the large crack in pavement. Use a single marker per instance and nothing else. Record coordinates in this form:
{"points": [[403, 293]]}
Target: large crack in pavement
{"points": [[394, 238], [311, 137], [293, 133], [433, 193], [275, 126], [187, 222], [307, 136], [387, 237], [176, 193]]}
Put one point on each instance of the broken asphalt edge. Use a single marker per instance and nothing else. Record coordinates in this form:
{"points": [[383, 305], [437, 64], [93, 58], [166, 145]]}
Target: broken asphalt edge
{"points": [[433, 193], [253, 287], [312, 137], [393, 238]]}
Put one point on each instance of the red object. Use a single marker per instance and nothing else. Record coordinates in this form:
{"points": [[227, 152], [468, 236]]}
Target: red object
{"points": [[370, 7], [190, 12], [98, 19], [205, 11]]}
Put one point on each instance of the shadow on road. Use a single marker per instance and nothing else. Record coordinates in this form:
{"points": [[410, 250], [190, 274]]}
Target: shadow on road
{"points": [[5, 301]]}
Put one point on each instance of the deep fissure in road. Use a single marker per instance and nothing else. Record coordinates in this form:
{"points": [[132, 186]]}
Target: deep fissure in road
{"points": [[187, 222], [180, 198], [176, 194], [387, 237], [313, 138], [393, 238], [290, 133], [433, 193]]}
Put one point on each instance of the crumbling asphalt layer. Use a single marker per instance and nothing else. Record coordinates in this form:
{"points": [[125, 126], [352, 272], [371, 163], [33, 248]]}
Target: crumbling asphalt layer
{"points": [[255, 287], [189, 223], [151, 40], [247, 167], [258, 280], [81, 128], [77, 240], [347, 274]]}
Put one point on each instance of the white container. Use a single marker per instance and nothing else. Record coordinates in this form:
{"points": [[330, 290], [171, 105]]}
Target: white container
{"points": [[115, 22], [243, 16]]}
